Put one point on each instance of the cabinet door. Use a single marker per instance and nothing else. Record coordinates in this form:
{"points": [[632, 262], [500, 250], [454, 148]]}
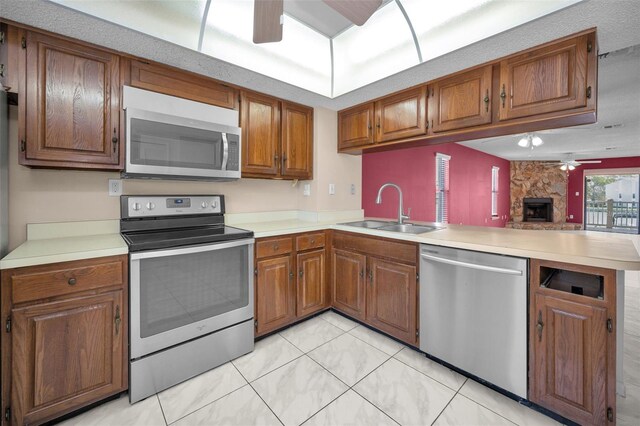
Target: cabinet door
{"points": [[461, 101], [355, 126], [275, 294], [402, 115], [391, 298], [175, 82], [550, 79], [66, 354], [311, 282], [571, 350], [260, 123], [297, 141], [72, 105], [348, 282]]}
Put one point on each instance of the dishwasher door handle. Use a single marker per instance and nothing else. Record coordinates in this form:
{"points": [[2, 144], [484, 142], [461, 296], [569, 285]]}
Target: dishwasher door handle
{"points": [[472, 265]]}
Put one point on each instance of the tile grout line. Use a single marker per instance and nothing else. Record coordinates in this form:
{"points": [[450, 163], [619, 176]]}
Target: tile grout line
{"points": [[162, 410], [432, 378], [257, 393], [446, 405]]}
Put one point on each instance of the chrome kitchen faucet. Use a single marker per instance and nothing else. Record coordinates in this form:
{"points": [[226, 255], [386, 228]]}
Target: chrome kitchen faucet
{"points": [[401, 215]]}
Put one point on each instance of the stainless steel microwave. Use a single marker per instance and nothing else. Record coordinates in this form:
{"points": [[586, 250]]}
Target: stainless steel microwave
{"points": [[174, 138]]}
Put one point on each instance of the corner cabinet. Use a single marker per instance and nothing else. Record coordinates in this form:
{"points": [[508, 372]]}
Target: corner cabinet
{"points": [[66, 345], [573, 341], [277, 138], [72, 99], [375, 280], [290, 280]]}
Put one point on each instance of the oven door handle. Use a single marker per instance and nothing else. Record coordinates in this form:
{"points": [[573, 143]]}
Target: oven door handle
{"points": [[225, 151], [192, 249]]}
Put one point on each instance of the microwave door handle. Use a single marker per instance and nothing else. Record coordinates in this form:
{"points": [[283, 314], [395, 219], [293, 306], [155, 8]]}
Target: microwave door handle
{"points": [[225, 151]]}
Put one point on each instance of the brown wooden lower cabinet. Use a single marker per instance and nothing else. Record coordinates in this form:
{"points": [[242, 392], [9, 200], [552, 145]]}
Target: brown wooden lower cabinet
{"points": [[290, 279], [573, 341], [64, 349], [348, 282], [375, 280]]}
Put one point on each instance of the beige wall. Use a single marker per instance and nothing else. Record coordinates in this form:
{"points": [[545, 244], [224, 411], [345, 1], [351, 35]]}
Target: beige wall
{"points": [[41, 195]]}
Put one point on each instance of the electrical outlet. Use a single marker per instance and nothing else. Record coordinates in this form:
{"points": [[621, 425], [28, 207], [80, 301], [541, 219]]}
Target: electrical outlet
{"points": [[570, 216], [307, 190], [353, 189], [577, 194], [115, 187], [332, 189]]}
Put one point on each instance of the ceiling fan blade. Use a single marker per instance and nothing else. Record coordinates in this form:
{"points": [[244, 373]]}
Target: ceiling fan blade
{"points": [[267, 21], [590, 161], [357, 11]]}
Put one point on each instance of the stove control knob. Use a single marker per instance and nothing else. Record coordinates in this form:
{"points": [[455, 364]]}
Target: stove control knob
{"points": [[151, 206], [214, 204], [136, 206], [204, 205]]}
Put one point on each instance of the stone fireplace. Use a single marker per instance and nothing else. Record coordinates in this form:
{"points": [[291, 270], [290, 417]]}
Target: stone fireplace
{"points": [[538, 196], [537, 210]]}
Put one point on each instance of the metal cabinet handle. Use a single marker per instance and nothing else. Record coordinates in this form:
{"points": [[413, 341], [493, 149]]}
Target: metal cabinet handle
{"points": [[276, 247], [117, 320], [361, 273], [540, 326], [291, 275], [300, 273], [371, 276], [486, 101], [503, 95], [313, 241], [114, 139], [71, 281]]}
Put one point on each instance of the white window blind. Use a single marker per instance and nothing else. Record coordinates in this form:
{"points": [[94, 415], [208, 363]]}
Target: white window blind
{"points": [[495, 174], [442, 188]]}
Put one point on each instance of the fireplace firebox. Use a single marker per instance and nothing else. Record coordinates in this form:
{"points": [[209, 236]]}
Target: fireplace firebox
{"points": [[537, 210]]}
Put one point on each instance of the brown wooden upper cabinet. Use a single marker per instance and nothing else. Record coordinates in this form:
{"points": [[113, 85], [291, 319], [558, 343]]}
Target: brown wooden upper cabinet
{"points": [[72, 105], [549, 79], [183, 84], [401, 116], [463, 100], [355, 126], [297, 141], [277, 138]]}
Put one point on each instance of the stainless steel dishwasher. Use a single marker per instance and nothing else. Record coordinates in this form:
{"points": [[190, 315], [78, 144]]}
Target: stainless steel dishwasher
{"points": [[473, 313]]}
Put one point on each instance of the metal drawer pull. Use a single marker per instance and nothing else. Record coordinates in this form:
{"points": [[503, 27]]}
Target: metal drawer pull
{"points": [[72, 281], [540, 326], [275, 247], [117, 319], [472, 265], [313, 241]]}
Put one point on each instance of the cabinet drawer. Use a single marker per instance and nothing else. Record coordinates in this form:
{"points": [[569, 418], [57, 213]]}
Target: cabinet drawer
{"points": [[65, 278], [384, 248], [274, 247], [310, 241]]}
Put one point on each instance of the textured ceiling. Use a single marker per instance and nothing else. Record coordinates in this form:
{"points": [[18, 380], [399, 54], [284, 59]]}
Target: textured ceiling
{"points": [[616, 20]]}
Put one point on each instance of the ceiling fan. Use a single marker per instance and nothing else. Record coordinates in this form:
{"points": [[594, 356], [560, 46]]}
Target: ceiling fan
{"points": [[268, 16], [572, 164]]}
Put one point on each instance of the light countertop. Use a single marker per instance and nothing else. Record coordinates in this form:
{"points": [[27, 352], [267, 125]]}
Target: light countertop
{"points": [[571, 247], [51, 243]]}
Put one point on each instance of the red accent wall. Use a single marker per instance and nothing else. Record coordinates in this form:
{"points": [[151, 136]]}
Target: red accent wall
{"points": [[575, 183], [414, 171]]}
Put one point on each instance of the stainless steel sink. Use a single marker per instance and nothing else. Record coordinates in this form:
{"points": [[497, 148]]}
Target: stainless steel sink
{"points": [[370, 224], [408, 228]]}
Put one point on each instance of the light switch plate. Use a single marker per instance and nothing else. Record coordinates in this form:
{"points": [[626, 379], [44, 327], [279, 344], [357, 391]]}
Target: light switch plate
{"points": [[115, 187], [353, 189], [332, 189], [307, 190]]}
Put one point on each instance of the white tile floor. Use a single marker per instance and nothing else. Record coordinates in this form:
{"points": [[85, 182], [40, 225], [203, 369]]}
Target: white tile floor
{"points": [[331, 371]]}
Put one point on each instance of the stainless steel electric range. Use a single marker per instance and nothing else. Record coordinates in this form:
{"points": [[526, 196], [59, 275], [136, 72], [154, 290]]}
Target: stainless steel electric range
{"points": [[191, 289]]}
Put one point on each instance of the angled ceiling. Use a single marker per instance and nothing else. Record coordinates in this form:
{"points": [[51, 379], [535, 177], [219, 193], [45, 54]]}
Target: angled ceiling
{"points": [[320, 50]]}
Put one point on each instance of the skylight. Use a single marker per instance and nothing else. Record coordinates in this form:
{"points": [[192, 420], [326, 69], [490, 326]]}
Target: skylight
{"points": [[401, 34]]}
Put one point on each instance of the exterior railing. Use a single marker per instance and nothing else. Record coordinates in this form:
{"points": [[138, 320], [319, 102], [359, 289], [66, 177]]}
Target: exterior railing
{"points": [[612, 214]]}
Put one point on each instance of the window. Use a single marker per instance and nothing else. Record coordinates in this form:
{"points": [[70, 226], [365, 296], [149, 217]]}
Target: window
{"points": [[495, 177], [442, 188]]}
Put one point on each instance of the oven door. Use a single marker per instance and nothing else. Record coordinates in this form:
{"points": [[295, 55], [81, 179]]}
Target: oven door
{"points": [[171, 146], [180, 294]]}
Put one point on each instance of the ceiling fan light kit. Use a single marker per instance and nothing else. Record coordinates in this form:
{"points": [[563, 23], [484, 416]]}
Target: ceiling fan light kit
{"points": [[530, 141]]}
